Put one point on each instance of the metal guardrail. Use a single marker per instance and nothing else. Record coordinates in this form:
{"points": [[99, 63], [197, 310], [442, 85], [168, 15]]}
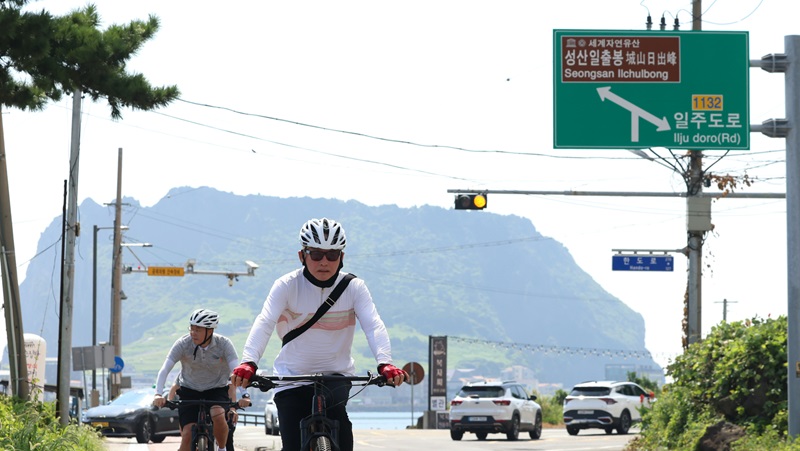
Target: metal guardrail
{"points": [[251, 419]]}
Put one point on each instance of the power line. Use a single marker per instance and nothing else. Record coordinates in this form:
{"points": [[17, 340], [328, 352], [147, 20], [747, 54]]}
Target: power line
{"points": [[557, 350]]}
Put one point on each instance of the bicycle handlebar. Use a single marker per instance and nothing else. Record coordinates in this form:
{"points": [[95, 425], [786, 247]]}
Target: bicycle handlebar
{"points": [[175, 403], [265, 383]]}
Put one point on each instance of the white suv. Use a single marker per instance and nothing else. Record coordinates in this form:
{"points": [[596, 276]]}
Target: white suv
{"points": [[271, 424], [488, 407], [605, 405]]}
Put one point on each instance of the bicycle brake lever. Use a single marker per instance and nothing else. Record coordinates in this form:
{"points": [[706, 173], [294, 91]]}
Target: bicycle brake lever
{"points": [[263, 385]]}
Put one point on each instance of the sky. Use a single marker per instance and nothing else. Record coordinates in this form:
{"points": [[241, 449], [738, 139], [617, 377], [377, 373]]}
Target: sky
{"points": [[398, 102]]}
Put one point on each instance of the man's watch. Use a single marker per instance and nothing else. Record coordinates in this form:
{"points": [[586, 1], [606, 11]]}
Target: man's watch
{"points": [[246, 396]]}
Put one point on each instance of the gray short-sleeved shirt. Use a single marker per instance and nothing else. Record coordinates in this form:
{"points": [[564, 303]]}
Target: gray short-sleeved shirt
{"points": [[207, 368]]}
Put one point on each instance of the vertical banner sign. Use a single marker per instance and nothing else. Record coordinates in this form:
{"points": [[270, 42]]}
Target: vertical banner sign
{"points": [[437, 356], [630, 89]]}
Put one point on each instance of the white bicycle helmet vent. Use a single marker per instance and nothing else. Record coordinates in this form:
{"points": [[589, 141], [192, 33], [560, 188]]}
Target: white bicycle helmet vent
{"points": [[323, 234], [204, 318]]}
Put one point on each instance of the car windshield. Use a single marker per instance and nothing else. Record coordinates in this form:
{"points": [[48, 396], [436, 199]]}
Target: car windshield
{"points": [[134, 398], [590, 391], [481, 392]]}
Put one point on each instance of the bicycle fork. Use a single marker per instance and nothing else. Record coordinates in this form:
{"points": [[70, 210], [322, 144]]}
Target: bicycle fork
{"points": [[318, 432]]}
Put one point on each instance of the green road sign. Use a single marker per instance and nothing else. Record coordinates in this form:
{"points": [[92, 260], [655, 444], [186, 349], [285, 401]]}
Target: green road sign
{"points": [[628, 90]]}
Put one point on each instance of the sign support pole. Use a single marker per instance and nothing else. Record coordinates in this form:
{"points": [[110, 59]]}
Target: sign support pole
{"points": [[792, 48]]}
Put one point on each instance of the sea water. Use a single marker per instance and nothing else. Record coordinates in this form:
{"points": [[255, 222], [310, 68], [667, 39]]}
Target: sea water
{"points": [[382, 420]]}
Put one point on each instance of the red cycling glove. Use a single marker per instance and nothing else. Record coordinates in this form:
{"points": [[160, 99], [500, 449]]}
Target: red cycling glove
{"points": [[245, 370], [390, 371]]}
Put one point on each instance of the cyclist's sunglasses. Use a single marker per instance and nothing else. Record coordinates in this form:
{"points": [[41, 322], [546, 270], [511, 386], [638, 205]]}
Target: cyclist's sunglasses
{"points": [[332, 255]]}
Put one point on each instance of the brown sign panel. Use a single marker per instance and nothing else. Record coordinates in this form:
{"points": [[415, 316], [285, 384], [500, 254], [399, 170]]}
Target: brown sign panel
{"points": [[651, 59], [438, 366], [415, 372]]}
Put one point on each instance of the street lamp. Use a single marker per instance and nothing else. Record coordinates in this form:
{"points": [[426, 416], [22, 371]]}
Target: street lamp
{"points": [[94, 397]]}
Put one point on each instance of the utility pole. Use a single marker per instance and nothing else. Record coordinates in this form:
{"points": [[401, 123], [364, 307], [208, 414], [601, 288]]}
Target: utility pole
{"points": [[68, 262], [94, 399], [18, 368], [116, 283], [725, 308], [695, 229]]}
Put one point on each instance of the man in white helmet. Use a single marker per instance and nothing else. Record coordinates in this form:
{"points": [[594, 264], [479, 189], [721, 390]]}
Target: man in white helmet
{"points": [[326, 346], [207, 360]]}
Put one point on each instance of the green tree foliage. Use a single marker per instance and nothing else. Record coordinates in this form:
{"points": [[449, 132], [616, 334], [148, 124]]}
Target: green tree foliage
{"points": [[44, 56], [737, 374]]}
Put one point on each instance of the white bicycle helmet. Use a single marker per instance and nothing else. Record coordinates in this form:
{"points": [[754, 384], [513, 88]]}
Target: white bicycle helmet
{"points": [[323, 234], [204, 318]]}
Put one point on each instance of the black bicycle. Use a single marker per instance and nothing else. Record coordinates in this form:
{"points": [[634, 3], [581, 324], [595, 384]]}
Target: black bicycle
{"points": [[317, 431], [203, 430]]}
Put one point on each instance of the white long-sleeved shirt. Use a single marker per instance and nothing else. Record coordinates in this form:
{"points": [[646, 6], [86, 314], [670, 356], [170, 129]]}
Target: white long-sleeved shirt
{"points": [[325, 347]]}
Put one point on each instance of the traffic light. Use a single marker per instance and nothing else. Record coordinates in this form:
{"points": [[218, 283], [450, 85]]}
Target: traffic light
{"points": [[470, 201]]}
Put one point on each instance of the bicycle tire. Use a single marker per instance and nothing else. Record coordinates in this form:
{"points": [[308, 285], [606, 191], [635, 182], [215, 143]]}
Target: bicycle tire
{"points": [[321, 444], [202, 443]]}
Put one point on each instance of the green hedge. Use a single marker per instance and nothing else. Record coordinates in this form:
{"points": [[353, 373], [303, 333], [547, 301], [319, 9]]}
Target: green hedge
{"points": [[737, 374], [29, 426]]}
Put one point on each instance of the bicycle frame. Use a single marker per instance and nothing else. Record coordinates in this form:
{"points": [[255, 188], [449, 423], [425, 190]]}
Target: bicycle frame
{"points": [[203, 429], [317, 431]]}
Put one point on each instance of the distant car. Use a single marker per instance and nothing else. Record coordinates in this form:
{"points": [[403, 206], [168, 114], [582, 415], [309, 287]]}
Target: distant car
{"points": [[606, 405], [495, 407], [271, 424], [132, 415]]}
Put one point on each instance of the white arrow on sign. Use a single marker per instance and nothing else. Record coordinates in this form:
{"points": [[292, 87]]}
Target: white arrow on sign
{"points": [[636, 113]]}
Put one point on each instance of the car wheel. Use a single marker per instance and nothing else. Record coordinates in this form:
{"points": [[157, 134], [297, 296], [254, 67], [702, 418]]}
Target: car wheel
{"points": [[158, 438], [481, 435], [536, 432], [624, 423], [456, 435], [571, 430], [609, 430], [513, 429], [144, 431]]}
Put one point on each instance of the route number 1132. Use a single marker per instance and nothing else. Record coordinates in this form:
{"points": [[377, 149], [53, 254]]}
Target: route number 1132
{"points": [[706, 102]]}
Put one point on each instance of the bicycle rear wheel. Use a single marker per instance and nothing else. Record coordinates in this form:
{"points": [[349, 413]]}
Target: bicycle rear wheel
{"points": [[321, 444]]}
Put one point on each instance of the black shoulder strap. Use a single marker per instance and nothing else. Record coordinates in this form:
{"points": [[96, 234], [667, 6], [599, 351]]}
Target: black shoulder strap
{"points": [[337, 291]]}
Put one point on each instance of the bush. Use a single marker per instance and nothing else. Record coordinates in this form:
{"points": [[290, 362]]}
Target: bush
{"points": [[28, 426], [552, 407], [736, 374]]}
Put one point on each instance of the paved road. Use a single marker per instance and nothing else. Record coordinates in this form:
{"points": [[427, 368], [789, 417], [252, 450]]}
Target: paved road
{"points": [[252, 438]]}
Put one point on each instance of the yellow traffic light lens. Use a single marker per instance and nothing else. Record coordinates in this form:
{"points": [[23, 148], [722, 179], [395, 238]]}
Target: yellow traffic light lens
{"points": [[470, 201]]}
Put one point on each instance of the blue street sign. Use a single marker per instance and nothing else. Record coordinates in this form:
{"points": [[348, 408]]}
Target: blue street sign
{"points": [[641, 262], [118, 364]]}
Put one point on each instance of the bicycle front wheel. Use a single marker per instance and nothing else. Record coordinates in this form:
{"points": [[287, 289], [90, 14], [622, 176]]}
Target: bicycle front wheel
{"points": [[321, 444], [202, 443]]}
